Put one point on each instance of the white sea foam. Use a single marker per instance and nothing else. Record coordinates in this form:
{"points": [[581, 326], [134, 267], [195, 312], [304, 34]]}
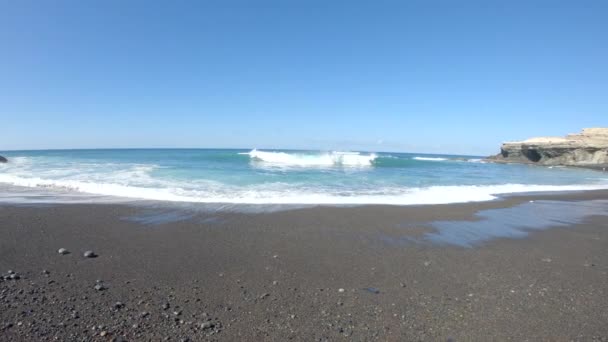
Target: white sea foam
{"points": [[430, 158], [313, 160], [284, 194]]}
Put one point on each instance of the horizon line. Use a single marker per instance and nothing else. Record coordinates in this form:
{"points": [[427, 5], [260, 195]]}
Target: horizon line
{"points": [[227, 148]]}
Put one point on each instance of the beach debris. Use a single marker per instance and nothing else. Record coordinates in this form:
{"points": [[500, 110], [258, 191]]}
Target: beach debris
{"points": [[90, 254], [63, 251]]}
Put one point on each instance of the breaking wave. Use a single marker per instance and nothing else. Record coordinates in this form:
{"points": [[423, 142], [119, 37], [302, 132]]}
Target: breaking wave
{"points": [[430, 158], [280, 193], [313, 160]]}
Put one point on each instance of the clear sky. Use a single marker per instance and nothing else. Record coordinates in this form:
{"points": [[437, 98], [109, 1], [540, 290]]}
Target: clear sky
{"points": [[419, 76]]}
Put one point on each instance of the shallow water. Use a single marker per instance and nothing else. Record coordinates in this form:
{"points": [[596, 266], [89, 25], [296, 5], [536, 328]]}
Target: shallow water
{"points": [[514, 222]]}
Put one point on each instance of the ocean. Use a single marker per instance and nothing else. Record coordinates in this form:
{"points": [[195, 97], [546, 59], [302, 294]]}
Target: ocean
{"points": [[274, 177]]}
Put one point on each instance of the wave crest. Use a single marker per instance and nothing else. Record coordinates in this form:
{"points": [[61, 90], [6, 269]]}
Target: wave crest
{"points": [[278, 193], [430, 158], [313, 160]]}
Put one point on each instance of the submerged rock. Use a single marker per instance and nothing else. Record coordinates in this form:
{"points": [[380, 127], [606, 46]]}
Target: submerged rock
{"points": [[588, 148]]}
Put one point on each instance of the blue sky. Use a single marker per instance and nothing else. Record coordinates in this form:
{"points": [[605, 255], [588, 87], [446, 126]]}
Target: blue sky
{"points": [[417, 76]]}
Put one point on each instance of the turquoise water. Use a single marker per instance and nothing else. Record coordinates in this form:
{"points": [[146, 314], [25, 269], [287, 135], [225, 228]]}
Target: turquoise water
{"points": [[280, 177]]}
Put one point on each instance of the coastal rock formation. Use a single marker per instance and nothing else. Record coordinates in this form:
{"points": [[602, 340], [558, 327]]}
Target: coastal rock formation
{"points": [[588, 148], [3, 160]]}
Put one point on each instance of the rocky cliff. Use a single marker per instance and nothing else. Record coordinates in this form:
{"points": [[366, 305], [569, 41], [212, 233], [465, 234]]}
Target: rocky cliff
{"points": [[588, 148]]}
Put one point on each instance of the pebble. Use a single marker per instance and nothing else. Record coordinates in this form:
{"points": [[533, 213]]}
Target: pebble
{"points": [[118, 305], [103, 333], [207, 325], [264, 295], [165, 306], [341, 290], [63, 251], [99, 287], [90, 254], [144, 314]]}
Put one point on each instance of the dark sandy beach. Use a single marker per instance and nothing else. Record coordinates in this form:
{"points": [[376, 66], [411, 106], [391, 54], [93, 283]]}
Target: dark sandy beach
{"points": [[318, 274]]}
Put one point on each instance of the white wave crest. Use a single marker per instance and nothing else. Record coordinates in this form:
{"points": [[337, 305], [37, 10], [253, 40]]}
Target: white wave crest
{"points": [[291, 195], [313, 160], [430, 158]]}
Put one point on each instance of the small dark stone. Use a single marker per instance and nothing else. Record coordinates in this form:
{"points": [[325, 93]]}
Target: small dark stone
{"points": [[372, 290], [90, 254], [3, 160]]}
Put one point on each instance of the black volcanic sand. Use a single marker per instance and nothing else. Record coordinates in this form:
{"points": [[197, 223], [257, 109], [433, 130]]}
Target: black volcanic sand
{"points": [[318, 274]]}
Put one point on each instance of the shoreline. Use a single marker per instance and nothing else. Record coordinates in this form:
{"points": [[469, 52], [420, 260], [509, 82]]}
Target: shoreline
{"points": [[40, 195], [321, 273]]}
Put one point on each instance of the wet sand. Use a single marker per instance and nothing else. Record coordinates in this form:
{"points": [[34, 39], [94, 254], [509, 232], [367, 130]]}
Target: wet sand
{"points": [[316, 274]]}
